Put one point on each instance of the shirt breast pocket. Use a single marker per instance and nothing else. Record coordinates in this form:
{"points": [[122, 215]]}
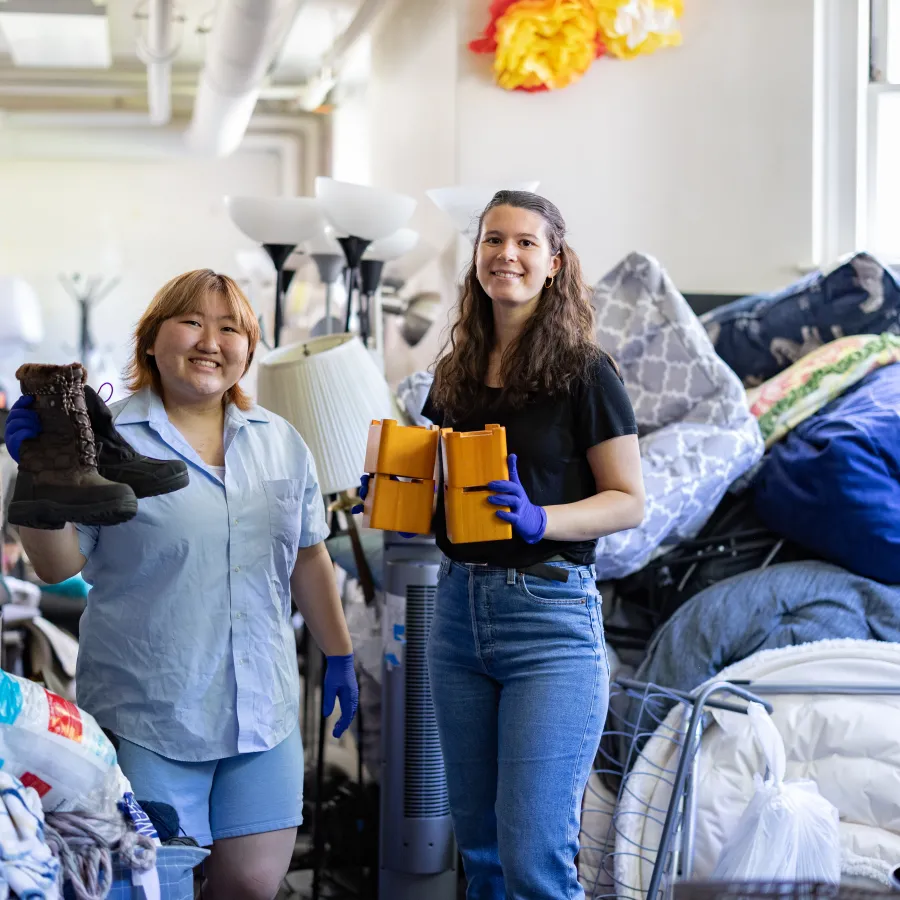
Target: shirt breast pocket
{"points": [[285, 502]]}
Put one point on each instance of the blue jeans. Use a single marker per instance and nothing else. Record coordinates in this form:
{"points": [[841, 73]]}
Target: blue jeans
{"points": [[520, 684]]}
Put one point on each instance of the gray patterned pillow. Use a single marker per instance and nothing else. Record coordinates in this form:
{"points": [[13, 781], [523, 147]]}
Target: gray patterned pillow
{"points": [[697, 433]]}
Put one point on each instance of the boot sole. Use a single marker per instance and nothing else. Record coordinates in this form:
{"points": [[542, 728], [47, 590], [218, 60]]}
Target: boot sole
{"points": [[49, 516], [176, 483]]}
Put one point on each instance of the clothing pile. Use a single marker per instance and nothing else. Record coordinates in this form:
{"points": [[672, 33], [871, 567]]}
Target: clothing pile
{"points": [[791, 576], [69, 824], [29, 868]]}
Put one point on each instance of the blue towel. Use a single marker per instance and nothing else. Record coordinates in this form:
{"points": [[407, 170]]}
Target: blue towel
{"points": [[28, 868]]}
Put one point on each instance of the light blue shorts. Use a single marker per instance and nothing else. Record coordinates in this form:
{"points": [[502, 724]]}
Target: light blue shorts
{"points": [[225, 798]]}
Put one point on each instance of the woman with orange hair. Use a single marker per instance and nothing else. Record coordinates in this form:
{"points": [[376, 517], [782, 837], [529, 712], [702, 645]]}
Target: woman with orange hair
{"points": [[187, 654]]}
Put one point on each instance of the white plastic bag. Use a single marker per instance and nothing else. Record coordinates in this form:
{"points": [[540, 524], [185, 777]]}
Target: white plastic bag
{"points": [[51, 745], [789, 831]]}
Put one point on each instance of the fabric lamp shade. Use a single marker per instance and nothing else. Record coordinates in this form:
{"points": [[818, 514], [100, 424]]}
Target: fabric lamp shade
{"points": [[330, 389]]}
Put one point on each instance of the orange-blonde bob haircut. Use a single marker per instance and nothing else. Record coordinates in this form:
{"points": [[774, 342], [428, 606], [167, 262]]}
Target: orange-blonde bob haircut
{"points": [[185, 294]]}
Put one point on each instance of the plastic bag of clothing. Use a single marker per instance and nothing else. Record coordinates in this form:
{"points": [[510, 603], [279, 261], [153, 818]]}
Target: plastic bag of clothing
{"points": [[789, 831], [51, 745]]}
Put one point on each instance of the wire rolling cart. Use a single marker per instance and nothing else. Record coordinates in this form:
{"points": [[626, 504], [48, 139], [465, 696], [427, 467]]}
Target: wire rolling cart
{"points": [[615, 850], [775, 890]]}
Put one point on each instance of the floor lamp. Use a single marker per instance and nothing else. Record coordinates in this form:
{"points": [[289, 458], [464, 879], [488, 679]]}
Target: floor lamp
{"points": [[361, 215], [330, 261], [279, 224], [463, 204], [330, 389], [371, 267]]}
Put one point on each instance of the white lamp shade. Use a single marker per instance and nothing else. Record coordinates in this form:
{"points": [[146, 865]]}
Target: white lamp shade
{"points": [[329, 388], [276, 220], [20, 312], [297, 259], [324, 242], [464, 204], [362, 211], [410, 264], [393, 246]]}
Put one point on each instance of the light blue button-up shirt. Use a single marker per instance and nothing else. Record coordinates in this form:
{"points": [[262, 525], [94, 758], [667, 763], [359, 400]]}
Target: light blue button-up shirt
{"points": [[186, 646]]}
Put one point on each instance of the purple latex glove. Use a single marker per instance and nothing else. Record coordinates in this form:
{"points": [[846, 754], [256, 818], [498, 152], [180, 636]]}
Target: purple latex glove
{"points": [[363, 490], [528, 521], [340, 684], [22, 424]]}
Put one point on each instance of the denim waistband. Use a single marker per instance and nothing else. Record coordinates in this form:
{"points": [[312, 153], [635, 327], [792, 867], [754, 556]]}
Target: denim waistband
{"points": [[488, 570]]}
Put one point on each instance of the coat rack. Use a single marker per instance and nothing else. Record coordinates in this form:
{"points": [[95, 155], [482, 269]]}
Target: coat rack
{"points": [[87, 293]]}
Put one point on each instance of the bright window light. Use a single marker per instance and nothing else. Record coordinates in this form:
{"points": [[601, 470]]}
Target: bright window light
{"points": [[886, 219], [57, 40]]}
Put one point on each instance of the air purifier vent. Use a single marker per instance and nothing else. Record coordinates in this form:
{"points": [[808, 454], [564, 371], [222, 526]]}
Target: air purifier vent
{"points": [[425, 786]]}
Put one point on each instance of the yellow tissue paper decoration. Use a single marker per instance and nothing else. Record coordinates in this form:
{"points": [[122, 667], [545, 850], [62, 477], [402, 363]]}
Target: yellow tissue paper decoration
{"points": [[540, 45], [544, 45], [631, 28]]}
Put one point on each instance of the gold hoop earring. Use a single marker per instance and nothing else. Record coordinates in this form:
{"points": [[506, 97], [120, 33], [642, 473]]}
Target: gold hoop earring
{"points": [[549, 281]]}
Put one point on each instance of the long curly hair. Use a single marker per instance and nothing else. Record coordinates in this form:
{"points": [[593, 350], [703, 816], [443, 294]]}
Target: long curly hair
{"points": [[555, 347]]}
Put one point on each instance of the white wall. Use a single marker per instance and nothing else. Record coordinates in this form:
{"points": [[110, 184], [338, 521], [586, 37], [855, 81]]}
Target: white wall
{"points": [[413, 144], [143, 219], [701, 155]]}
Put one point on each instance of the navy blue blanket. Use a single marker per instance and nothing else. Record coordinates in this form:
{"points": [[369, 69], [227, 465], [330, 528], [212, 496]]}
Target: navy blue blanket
{"points": [[832, 485]]}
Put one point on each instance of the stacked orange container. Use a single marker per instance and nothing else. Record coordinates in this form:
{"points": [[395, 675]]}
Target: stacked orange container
{"points": [[401, 461], [472, 459]]}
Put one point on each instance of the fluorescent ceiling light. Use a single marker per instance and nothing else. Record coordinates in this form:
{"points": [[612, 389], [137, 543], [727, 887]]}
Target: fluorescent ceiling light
{"points": [[57, 40]]}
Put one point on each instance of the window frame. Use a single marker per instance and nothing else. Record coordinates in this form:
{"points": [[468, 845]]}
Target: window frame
{"points": [[881, 16]]}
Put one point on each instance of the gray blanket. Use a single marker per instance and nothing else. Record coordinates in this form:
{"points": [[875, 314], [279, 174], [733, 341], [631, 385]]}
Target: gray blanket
{"points": [[784, 605]]}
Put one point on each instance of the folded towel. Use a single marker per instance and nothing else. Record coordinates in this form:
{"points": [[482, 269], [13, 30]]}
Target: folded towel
{"points": [[28, 868]]}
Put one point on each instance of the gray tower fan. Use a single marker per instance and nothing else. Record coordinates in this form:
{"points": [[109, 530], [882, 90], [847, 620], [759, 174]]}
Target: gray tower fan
{"points": [[417, 851]]}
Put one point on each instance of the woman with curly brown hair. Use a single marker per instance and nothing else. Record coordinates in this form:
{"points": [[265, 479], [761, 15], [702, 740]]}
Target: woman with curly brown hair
{"points": [[516, 653]]}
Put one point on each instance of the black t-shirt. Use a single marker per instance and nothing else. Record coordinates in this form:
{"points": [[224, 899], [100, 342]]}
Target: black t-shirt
{"points": [[551, 437]]}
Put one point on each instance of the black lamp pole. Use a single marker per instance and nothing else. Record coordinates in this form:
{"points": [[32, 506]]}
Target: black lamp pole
{"points": [[353, 248], [279, 254], [370, 277]]}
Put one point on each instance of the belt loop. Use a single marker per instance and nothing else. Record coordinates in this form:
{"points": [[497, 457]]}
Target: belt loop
{"points": [[510, 576]]}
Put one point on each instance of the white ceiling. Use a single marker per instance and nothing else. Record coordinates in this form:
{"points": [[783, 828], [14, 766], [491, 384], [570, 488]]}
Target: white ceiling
{"points": [[317, 24]]}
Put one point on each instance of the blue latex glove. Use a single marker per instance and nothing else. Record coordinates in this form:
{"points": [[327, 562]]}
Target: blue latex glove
{"points": [[528, 521], [363, 490], [340, 684], [22, 424]]}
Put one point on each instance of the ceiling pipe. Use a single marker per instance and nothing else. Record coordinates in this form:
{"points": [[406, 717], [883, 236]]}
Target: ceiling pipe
{"points": [[315, 91], [116, 83], [358, 28], [157, 51], [243, 42]]}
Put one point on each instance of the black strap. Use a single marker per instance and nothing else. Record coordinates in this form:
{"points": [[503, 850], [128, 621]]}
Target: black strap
{"points": [[550, 573]]}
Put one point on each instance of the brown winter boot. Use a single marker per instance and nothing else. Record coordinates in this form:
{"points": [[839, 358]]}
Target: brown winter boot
{"points": [[58, 480]]}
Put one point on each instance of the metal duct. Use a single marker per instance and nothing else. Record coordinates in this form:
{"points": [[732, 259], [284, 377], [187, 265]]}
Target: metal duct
{"points": [[243, 42], [157, 51]]}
